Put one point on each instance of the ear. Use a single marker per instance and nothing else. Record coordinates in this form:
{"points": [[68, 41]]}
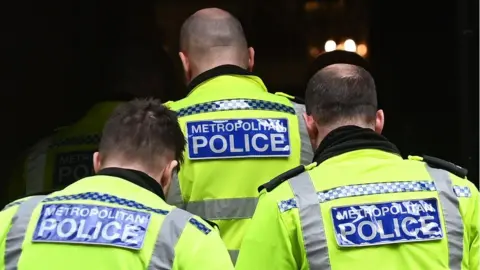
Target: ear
{"points": [[167, 176], [311, 129], [251, 58], [97, 163], [379, 121], [186, 66]]}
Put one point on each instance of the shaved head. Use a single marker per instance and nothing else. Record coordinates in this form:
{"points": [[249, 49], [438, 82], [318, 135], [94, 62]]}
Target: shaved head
{"points": [[212, 34]]}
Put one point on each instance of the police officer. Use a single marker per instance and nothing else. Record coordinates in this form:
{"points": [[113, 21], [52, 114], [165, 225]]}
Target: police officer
{"points": [[117, 219], [63, 157], [239, 135], [66, 155], [359, 204]]}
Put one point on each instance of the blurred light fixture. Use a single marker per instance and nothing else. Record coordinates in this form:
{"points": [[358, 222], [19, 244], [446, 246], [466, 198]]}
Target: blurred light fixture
{"points": [[349, 45], [311, 6], [314, 51], [330, 45], [362, 49]]}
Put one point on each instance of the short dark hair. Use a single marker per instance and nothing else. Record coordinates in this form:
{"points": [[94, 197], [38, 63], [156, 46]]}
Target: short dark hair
{"points": [[341, 91], [143, 130]]}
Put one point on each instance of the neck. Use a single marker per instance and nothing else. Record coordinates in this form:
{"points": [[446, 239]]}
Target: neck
{"points": [[325, 130], [350, 138], [133, 166], [199, 69]]}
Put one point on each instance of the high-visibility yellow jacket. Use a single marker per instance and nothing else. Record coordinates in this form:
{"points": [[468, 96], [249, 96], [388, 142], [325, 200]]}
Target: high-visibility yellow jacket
{"points": [[61, 159], [361, 206], [238, 137], [117, 219]]}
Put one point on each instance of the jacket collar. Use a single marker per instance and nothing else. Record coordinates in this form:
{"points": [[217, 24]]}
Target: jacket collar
{"points": [[350, 138], [136, 177], [215, 72]]}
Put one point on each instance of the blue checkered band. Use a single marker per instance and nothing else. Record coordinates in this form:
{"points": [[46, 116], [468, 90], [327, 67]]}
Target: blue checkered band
{"points": [[77, 140], [235, 104], [373, 189], [199, 225], [376, 188], [107, 198], [461, 191], [286, 205]]}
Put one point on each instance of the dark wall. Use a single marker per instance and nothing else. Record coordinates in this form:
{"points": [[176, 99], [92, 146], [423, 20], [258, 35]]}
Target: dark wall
{"points": [[62, 57], [431, 104]]}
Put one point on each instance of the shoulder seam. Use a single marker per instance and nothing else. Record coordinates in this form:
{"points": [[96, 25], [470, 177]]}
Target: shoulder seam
{"points": [[295, 99]]}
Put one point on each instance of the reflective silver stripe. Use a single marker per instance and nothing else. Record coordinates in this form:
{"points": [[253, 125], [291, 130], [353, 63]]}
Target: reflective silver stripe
{"points": [[174, 195], [306, 156], [236, 208], [171, 230], [233, 255], [313, 230], [451, 213], [16, 234], [35, 166]]}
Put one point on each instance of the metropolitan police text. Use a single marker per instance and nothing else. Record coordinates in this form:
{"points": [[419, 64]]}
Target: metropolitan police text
{"points": [[90, 223], [254, 136], [392, 222]]}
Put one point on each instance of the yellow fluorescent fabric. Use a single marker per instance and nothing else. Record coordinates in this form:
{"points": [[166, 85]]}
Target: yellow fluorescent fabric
{"points": [[194, 245], [224, 190], [278, 238]]}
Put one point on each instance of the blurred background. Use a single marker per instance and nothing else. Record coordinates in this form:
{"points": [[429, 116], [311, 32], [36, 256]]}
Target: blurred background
{"points": [[61, 57]]}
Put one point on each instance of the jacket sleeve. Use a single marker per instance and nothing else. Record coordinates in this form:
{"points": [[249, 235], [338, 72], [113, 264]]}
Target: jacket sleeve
{"points": [[468, 198], [199, 251], [5, 223], [267, 244], [307, 151], [28, 174], [175, 196], [474, 230]]}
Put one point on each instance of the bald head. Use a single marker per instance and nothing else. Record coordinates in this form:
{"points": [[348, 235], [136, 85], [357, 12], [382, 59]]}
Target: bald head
{"points": [[341, 92], [213, 34]]}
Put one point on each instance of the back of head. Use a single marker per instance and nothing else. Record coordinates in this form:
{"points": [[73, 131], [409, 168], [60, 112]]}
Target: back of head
{"points": [[342, 94], [213, 35], [142, 132]]}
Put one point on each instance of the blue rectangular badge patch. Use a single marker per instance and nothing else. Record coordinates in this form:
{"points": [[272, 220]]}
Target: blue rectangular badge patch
{"points": [[387, 223], [238, 138], [72, 166], [91, 225]]}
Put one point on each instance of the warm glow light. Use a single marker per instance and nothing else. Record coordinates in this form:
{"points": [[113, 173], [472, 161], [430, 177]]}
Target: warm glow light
{"points": [[330, 46], [314, 51], [311, 6], [362, 49], [349, 45]]}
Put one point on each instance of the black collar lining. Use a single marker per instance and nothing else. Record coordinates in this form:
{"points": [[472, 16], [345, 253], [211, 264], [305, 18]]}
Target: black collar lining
{"points": [[215, 72], [136, 177], [350, 138]]}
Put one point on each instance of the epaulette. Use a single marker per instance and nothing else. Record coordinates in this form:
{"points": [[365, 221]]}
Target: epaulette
{"points": [[46, 192], [168, 103], [211, 223], [277, 181], [442, 164], [292, 98]]}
